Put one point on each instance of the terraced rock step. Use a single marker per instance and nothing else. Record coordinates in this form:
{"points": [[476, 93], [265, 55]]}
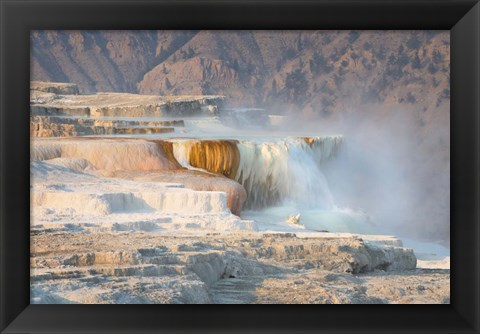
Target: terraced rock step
{"points": [[54, 101], [135, 218], [58, 111], [54, 87], [141, 130], [234, 290], [106, 122], [58, 126], [227, 268]]}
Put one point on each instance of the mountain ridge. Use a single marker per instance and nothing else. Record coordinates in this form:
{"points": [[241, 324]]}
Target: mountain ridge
{"points": [[310, 71]]}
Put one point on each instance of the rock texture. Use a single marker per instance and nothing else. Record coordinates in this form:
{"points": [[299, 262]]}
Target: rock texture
{"points": [[135, 159], [107, 240], [107, 155], [58, 111], [197, 180], [57, 126], [306, 70], [125, 217], [53, 87], [235, 268], [123, 105]]}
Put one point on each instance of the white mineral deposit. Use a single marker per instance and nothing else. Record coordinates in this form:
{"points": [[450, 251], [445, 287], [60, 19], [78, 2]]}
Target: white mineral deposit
{"points": [[148, 199]]}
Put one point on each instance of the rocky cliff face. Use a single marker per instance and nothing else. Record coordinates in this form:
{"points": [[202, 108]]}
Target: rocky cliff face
{"points": [[100, 61], [318, 72]]}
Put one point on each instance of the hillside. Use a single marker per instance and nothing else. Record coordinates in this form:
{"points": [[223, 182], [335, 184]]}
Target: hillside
{"points": [[318, 72]]}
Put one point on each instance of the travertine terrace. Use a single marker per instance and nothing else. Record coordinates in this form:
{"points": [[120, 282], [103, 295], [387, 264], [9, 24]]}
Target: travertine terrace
{"points": [[141, 199]]}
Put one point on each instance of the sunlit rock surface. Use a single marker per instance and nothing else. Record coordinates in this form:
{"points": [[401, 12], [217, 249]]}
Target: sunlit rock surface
{"points": [[120, 104], [110, 240], [235, 267], [59, 126], [197, 180], [62, 195], [107, 155], [156, 200], [133, 159], [52, 87]]}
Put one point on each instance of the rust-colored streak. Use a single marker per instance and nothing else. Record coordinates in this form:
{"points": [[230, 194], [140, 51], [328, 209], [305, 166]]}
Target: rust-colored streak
{"points": [[216, 156], [309, 140]]}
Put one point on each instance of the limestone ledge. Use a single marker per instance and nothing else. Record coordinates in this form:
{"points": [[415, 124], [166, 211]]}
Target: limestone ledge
{"points": [[54, 87], [57, 99], [58, 126], [198, 269]]}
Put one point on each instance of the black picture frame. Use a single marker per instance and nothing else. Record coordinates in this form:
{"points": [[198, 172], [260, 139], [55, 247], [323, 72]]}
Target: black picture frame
{"points": [[18, 17]]}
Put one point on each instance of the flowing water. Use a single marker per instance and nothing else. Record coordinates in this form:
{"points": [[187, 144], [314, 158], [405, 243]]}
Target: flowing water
{"points": [[282, 176], [282, 169]]}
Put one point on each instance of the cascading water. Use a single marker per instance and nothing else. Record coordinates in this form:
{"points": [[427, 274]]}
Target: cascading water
{"points": [[282, 177], [281, 171]]}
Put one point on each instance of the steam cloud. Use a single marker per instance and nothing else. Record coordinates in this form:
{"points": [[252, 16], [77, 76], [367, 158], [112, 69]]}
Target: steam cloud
{"points": [[390, 167]]}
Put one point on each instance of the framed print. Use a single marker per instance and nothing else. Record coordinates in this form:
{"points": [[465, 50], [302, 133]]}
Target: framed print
{"points": [[209, 153]]}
